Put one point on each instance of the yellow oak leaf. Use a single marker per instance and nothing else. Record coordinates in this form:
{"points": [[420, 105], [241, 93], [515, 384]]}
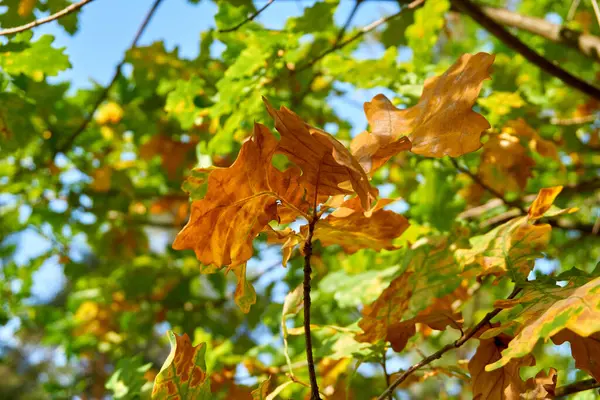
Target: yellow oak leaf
{"points": [[502, 384], [543, 202], [183, 374], [26, 7], [548, 312], [262, 391], [441, 124], [328, 167], [109, 113]]}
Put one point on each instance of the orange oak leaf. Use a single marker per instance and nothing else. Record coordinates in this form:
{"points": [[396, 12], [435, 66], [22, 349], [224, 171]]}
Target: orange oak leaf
{"points": [[548, 312], [238, 204], [416, 296], [501, 384], [262, 391], [543, 147], [328, 167], [353, 229], [387, 309], [102, 178], [441, 123], [505, 165], [183, 374], [585, 350]]}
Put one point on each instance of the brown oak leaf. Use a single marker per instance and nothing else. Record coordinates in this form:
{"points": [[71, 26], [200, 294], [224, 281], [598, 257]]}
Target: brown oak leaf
{"points": [[585, 350]]}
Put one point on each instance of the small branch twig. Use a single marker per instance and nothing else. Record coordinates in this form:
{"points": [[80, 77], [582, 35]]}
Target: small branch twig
{"points": [[438, 354], [65, 11], [342, 31], [577, 387], [517, 45], [386, 374], [69, 142], [250, 18], [358, 35], [493, 191]]}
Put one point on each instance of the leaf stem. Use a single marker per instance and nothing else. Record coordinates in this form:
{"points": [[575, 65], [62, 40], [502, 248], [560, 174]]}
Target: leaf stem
{"points": [[307, 271], [450, 346], [249, 19]]}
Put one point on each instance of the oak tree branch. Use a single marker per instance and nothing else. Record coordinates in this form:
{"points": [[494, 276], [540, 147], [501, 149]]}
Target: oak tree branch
{"points": [[250, 18], [65, 11], [467, 7], [576, 387], [438, 354]]}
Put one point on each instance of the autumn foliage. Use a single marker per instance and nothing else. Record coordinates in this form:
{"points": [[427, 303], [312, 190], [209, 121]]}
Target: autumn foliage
{"points": [[437, 238]]}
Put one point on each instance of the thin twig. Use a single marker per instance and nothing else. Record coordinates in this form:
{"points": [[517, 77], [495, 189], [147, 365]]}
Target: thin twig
{"points": [[438, 354], [576, 387], [386, 374], [69, 142], [574, 121], [517, 45], [358, 35], [493, 191], [342, 31], [65, 11], [250, 18]]}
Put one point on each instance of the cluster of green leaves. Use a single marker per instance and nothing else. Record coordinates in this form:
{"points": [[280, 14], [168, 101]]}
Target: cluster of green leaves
{"points": [[105, 203]]}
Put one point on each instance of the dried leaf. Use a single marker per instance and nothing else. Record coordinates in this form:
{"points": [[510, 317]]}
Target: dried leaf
{"points": [[353, 229], [543, 147], [239, 202], [585, 350], [101, 179], [548, 312], [442, 122], [183, 375], [505, 165], [542, 387], [501, 384], [173, 154], [328, 167]]}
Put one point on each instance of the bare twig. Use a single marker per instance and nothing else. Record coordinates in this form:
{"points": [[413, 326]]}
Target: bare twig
{"points": [[438, 354], [574, 121], [250, 18], [342, 31], [69, 142], [576, 387], [65, 11], [516, 44], [386, 374], [493, 191]]}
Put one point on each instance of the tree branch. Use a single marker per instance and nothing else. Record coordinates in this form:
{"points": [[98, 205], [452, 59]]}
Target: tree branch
{"points": [[71, 139], [344, 28], [576, 387], [65, 11], [517, 45], [250, 18], [588, 45], [358, 35], [438, 354]]}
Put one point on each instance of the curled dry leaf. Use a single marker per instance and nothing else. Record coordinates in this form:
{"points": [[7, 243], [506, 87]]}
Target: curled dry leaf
{"points": [[441, 124], [548, 312], [353, 229], [183, 375], [328, 167]]}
